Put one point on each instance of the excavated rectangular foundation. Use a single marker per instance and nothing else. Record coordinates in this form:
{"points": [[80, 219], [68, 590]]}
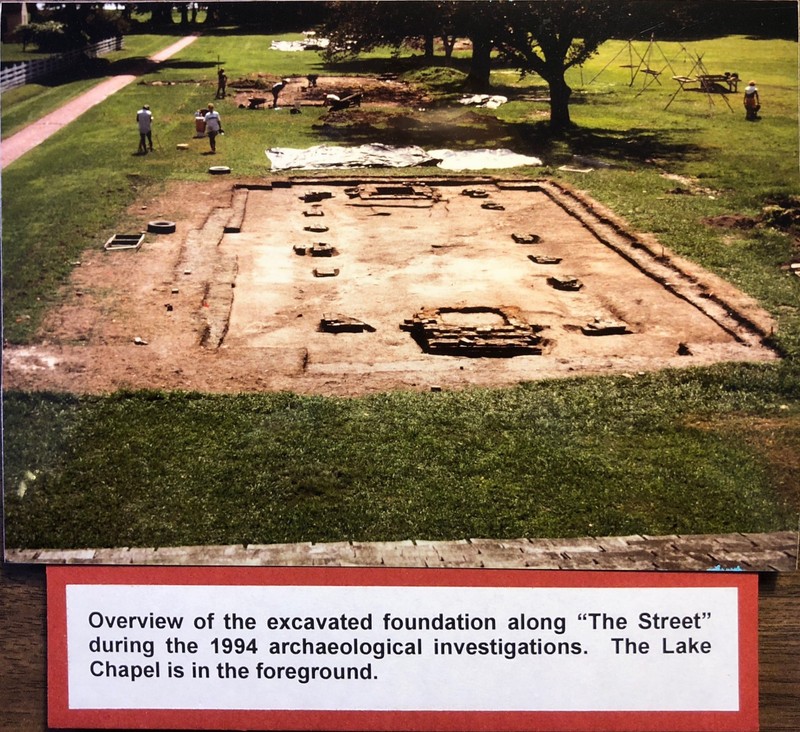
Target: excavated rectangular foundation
{"points": [[589, 295]]}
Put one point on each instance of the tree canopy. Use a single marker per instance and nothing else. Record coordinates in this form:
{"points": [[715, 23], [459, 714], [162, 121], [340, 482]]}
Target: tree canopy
{"points": [[548, 38], [545, 37], [536, 36]]}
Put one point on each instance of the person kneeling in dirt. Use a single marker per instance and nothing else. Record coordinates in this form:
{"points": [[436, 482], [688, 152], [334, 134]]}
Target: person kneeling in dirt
{"points": [[213, 127], [276, 90], [752, 104], [144, 119]]}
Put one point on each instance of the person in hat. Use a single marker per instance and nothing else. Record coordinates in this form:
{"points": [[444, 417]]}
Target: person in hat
{"points": [[213, 127], [144, 119], [752, 104]]}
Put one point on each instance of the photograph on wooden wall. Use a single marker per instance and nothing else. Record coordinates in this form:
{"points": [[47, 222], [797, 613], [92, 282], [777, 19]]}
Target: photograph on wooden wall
{"points": [[402, 284]]}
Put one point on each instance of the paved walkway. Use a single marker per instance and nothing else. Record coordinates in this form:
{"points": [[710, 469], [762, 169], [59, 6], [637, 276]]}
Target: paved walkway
{"points": [[775, 552], [37, 132]]}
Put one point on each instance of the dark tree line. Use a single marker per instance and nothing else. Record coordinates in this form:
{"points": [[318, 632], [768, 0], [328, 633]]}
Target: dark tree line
{"points": [[543, 37]]}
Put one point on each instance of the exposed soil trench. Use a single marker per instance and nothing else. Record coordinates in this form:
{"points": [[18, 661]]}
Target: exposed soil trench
{"points": [[373, 285]]}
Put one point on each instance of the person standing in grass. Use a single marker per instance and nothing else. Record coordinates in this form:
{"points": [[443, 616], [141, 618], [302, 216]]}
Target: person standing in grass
{"points": [[144, 119], [751, 101], [222, 83], [213, 127]]}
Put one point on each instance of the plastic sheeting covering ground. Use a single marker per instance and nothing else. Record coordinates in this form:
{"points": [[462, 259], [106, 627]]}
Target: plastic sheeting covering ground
{"points": [[487, 101], [321, 157], [309, 44], [482, 159]]}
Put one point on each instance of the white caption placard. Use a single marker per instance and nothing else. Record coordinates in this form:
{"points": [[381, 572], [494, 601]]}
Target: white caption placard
{"points": [[468, 648]]}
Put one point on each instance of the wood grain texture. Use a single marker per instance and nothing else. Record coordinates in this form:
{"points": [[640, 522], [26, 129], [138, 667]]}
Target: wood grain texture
{"points": [[779, 651], [23, 679]]}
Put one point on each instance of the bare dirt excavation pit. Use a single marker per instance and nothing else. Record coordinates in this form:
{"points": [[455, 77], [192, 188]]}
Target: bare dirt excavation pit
{"points": [[347, 286]]}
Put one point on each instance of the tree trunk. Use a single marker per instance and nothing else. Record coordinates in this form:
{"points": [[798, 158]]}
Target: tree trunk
{"points": [[161, 14], [212, 14], [428, 40], [449, 43], [184, 13], [560, 92], [480, 63]]}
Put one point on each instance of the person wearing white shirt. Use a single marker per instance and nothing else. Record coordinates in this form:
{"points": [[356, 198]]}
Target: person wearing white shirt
{"points": [[213, 127], [144, 118], [752, 104]]}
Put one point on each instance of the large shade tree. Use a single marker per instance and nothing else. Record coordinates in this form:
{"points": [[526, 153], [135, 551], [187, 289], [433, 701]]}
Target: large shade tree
{"points": [[548, 37], [67, 26], [356, 27]]}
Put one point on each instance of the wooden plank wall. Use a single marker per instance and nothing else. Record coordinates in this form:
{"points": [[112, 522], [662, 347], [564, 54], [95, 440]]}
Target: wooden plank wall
{"points": [[23, 653]]}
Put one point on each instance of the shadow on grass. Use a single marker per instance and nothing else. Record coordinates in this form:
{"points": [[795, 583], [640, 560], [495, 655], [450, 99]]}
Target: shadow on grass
{"points": [[393, 65], [188, 64], [99, 68], [465, 129], [631, 146], [239, 30]]}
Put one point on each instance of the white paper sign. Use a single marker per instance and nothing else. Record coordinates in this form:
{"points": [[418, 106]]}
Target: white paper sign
{"points": [[343, 647]]}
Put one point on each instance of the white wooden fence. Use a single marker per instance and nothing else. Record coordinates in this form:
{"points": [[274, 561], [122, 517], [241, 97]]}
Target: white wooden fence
{"points": [[26, 72]]}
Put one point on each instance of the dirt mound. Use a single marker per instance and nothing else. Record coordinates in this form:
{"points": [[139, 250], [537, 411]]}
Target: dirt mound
{"points": [[782, 213], [731, 221], [300, 91]]}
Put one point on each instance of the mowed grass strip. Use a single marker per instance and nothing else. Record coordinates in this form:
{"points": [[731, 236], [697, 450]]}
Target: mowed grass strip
{"points": [[653, 454]]}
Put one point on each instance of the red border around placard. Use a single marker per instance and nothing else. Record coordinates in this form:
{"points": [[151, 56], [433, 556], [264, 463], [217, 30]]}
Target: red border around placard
{"points": [[60, 716]]}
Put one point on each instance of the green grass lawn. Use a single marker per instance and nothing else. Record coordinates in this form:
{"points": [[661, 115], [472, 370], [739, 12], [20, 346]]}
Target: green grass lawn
{"points": [[655, 454], [689, 451], [25, 104], [13, 53]]}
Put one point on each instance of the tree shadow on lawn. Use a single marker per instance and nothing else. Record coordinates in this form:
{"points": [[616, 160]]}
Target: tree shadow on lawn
{"points": [[99, 68], [635, 145], [391, 65], [470, 129], [247, 29], [188, 64]]}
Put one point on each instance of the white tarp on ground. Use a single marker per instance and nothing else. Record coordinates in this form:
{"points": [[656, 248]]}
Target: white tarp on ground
{"points": [[320, 157], [309, 44], [376, 155], [481, 159], [489, 101]]}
